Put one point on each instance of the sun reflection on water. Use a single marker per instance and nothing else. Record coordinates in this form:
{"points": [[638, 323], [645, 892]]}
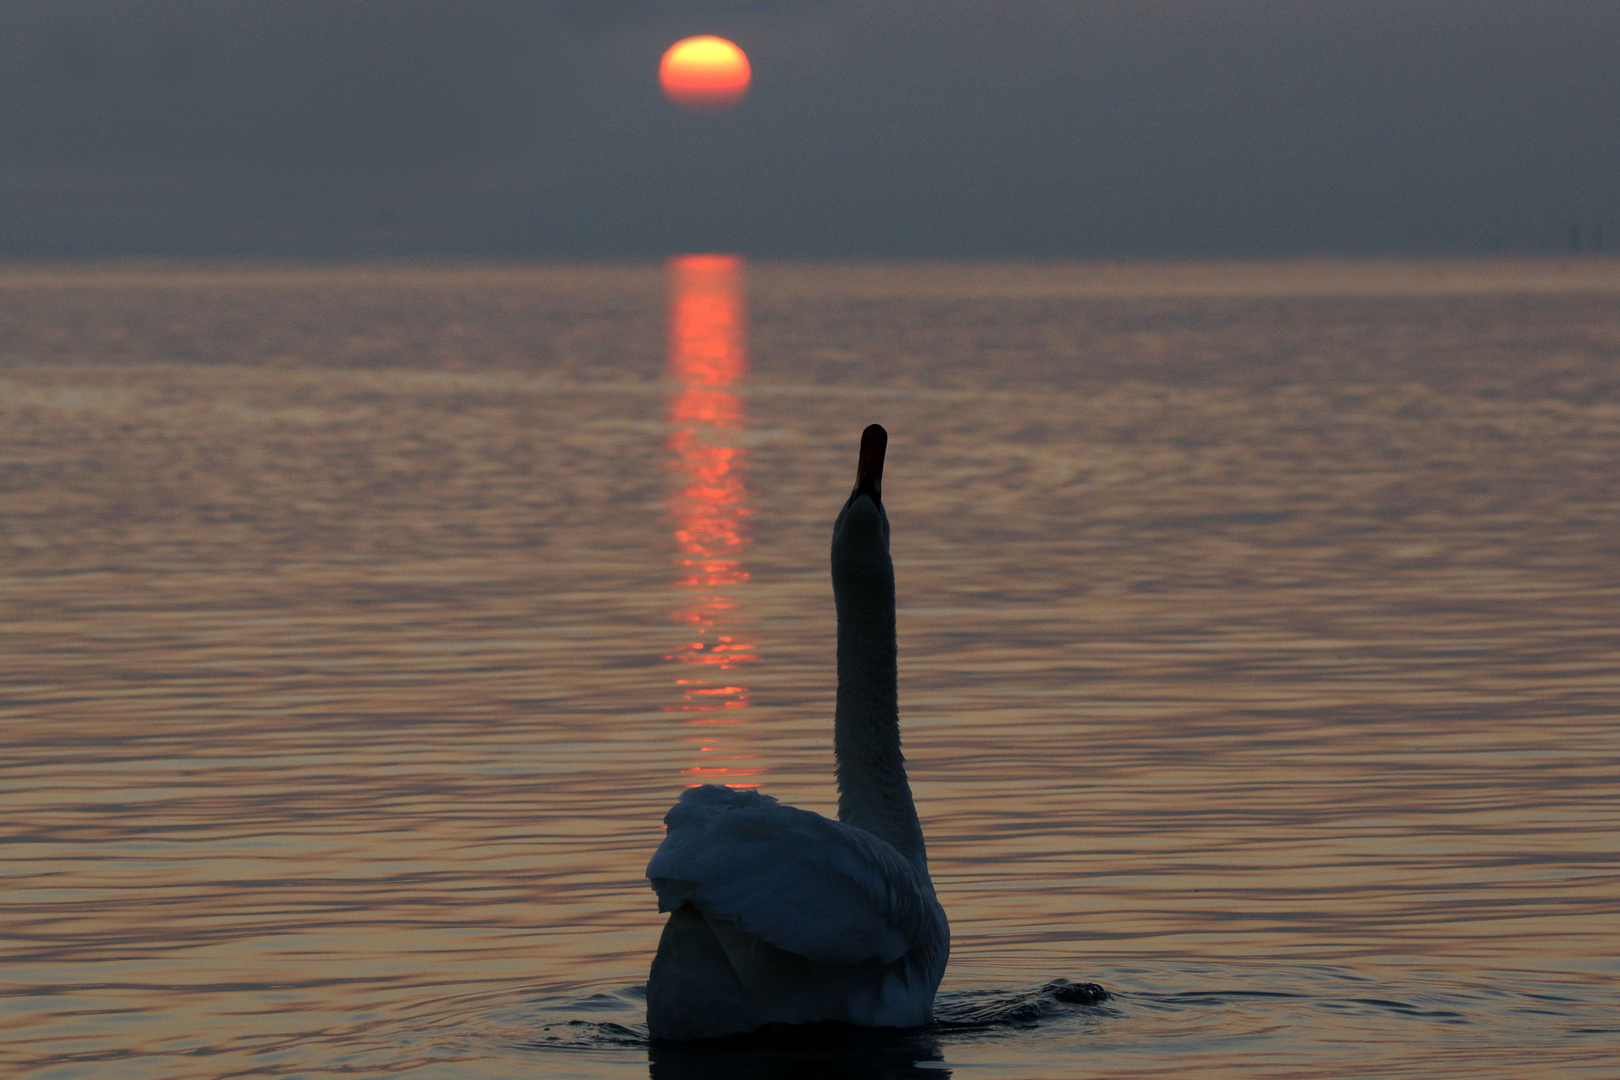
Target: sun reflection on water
{"points": [[707, 358]]}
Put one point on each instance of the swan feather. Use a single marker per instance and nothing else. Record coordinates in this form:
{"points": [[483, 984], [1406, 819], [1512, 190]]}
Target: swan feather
{"points": [[818, 888]]}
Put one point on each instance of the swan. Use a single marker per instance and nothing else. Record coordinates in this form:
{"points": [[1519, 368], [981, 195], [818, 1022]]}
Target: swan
{"points": [[780, 915]]}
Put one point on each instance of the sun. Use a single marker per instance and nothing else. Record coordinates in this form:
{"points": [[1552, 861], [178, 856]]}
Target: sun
{"points": [[705, 73]]}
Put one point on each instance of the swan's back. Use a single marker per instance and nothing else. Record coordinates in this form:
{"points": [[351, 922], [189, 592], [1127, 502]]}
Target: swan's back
{"points": [[781, 915]]}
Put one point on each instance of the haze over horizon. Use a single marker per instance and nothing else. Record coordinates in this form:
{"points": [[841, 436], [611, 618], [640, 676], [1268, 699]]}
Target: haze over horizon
{"points": [[535, 130]]}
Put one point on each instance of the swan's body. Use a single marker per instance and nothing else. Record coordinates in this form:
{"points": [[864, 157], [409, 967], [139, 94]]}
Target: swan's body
{"points": [[779, 915]]}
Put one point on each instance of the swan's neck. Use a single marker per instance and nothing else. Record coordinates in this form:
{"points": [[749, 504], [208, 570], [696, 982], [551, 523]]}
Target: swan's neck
{"points": [[873, 793]]}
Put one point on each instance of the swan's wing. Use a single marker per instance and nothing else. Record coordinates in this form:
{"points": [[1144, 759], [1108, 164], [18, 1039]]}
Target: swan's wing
{"points": [[818, 888]]}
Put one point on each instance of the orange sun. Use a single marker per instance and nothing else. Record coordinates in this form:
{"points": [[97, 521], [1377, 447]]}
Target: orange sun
{"points": [[705, 73]]}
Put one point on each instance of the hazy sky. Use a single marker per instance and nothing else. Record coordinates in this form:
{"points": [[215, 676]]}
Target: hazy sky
{"points": [[900, 128]]}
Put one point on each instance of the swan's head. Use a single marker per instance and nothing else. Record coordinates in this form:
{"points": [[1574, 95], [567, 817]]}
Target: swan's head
{"points": [[861, 533]]}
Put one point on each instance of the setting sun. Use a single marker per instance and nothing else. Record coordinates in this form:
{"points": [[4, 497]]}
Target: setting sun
{"points": [[704, 73]]}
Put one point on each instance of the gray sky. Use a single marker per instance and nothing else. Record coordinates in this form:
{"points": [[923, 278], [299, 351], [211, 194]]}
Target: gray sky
{"points": [[889, 128]]}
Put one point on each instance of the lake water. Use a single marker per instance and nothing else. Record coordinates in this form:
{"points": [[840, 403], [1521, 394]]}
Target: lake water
{"points": [[1259, 656]]}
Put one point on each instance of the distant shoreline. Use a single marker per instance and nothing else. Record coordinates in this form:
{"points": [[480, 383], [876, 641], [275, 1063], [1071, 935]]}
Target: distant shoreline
{"points": [[1310, 276]]}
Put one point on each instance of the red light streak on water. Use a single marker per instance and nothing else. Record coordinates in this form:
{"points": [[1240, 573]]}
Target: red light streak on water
{"points": [[707, 358]]}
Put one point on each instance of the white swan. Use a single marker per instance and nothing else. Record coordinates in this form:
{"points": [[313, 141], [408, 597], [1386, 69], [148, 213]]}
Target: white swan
{"points": [[778, 915]]}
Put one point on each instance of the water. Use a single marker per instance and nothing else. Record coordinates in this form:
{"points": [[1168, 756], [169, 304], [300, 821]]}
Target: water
{"points": [[1258, 643]]}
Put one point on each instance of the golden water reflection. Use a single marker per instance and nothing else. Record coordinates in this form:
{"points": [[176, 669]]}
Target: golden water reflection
{"points": [[1254, 641], [707, 358]]}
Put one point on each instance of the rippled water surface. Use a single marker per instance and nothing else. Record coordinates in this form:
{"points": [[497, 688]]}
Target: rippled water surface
{"points": [[1259, 657]]}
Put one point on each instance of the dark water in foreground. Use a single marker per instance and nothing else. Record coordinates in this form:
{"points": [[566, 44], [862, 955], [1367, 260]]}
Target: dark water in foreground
{"points": [[1258, 642]]}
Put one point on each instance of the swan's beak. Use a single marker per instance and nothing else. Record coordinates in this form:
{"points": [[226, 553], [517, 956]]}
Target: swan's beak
{"points": [[869, 469]]}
